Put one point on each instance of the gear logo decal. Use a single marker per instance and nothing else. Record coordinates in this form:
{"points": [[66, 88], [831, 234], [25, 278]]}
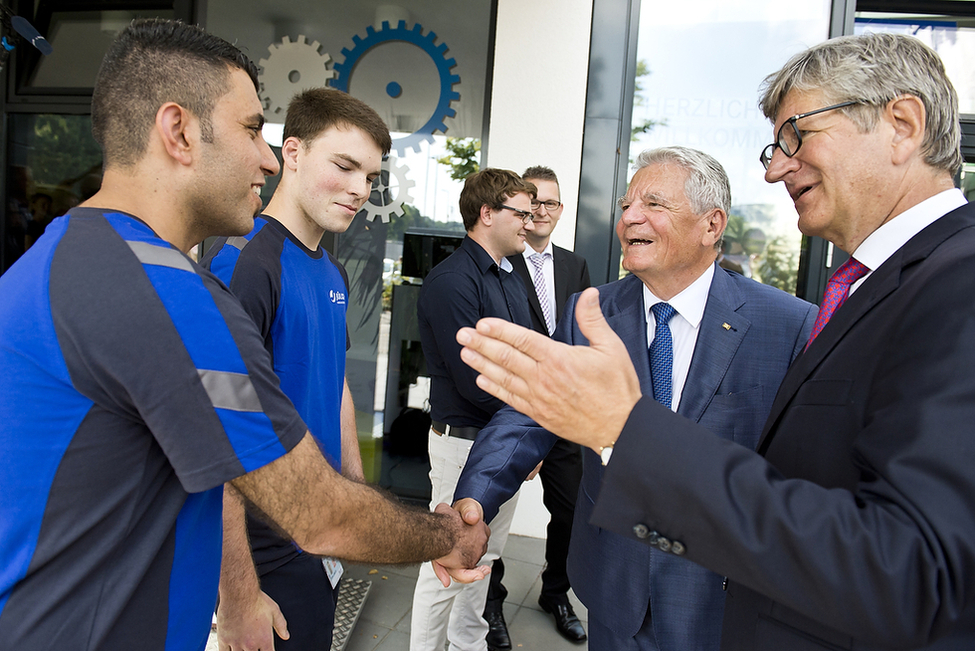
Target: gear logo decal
{"points": [[290, 68], [389, 192], [393, 89]]}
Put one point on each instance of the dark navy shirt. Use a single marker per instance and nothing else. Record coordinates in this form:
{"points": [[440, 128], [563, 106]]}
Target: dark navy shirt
{"points": [[459, 291], [133, 387], [297, 297]]}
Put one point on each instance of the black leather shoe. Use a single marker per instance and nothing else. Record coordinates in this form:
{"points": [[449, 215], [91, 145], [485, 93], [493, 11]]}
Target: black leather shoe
{"points": [[566, 621], [497, 635]]}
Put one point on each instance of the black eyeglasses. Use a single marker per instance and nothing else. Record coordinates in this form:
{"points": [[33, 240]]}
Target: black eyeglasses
{"points": [[550, 205], [524, 215], [790, 140]]}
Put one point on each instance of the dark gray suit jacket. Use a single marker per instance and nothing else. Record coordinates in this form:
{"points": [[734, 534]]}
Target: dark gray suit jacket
{"points": [[857, 528], [748, 336]]}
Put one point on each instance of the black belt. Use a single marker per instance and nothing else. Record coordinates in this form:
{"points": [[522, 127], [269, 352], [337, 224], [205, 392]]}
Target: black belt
{"points": [[469, 433]]}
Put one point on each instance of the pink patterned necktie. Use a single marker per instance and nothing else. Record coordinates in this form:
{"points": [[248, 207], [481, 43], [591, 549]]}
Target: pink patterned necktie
{"points": [[837, 289], [538, 261]]}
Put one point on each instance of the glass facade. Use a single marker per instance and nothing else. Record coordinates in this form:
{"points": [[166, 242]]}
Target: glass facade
{"points": [[54, 164], [952, 37], [967, 180], [79, 40], [699, 66], [52, 161]]}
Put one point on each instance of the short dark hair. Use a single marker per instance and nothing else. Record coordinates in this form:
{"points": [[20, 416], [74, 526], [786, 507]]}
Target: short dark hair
{"points": [[313, 111], [151, 62], [490, 187], [541, 173]]}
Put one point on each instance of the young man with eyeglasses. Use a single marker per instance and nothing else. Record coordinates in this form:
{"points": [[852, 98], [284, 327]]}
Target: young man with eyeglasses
{"points": [[551, 274], [474, 282]]}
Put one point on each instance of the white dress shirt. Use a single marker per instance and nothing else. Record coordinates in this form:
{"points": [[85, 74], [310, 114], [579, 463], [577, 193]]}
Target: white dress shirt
{"points": [[684, 326], [884, 242], [548, 270]]}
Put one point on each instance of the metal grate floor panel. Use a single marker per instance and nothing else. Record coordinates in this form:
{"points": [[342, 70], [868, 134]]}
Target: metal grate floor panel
{"points": [[352, 597]]}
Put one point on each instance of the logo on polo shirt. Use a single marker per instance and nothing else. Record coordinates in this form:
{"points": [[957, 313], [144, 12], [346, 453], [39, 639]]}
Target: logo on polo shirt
{"points": [[337, 297]]}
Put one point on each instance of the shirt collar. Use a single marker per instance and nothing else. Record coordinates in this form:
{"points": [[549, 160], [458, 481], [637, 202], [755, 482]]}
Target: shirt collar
{"points": [[529, 251], [690, 302], [883, 242], [482, 258]]}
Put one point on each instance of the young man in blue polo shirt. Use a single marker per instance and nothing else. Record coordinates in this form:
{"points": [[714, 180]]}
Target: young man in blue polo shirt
{"points": [[297, 294]]}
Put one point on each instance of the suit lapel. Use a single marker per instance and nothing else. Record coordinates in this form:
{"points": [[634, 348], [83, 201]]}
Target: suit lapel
{"points": [[721, 333], [561, 267], [626, 315], [521, 268], [880, 284]]}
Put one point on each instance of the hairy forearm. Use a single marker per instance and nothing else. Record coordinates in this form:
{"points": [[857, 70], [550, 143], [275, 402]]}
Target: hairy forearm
{"points": [[381, 529], [329, 515]]}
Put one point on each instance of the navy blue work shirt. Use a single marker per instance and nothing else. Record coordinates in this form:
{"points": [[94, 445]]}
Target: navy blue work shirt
{"points": [[459, 291]]}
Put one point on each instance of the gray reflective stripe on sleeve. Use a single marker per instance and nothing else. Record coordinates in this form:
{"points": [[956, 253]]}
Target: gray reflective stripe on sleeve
{"points": [[237, 242], [159, 256], [233, 391]]}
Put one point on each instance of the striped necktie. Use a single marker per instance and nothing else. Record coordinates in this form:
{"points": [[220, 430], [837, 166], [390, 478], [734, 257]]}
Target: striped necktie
{"points": [[538, 260]]}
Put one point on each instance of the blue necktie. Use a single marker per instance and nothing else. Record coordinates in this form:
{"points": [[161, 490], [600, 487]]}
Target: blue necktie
{"points": [[662, 355]]}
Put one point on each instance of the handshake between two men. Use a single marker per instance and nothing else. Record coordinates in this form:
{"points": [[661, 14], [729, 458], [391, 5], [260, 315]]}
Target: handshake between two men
{"points": [[581, 393]]}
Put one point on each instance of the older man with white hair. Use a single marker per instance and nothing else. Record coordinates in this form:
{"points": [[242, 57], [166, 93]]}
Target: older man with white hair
{"points": [[719, 345]]}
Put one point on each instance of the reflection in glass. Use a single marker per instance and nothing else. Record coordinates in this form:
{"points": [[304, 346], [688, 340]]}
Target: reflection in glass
{"points": [[55, 164], [968, 180], [80, 40], [694, 90]]}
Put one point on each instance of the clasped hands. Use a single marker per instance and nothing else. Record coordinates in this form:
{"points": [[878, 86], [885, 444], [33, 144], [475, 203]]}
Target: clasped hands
{"points": [[469, 546]]}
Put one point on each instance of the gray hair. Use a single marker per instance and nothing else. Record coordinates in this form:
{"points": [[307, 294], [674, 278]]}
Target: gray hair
{"points": [[874, 69], [707, 185]]}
